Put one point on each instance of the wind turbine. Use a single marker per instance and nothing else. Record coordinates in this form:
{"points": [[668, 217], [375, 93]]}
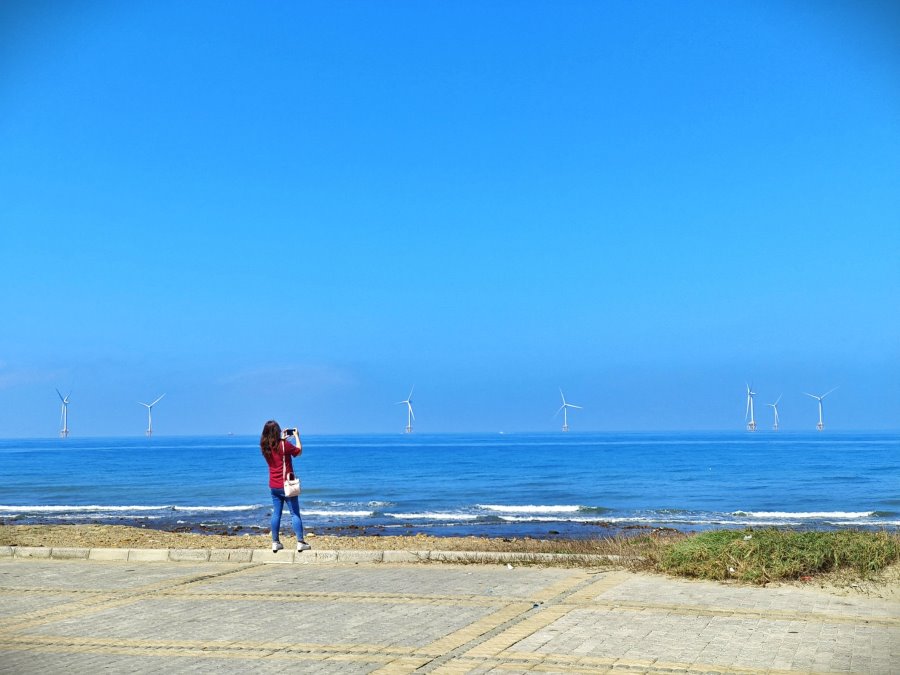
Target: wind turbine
{"points": [[64, 414], [821, 424], [563, 407], [409, 411], [149, 407], [751, 425], [774, 407]]}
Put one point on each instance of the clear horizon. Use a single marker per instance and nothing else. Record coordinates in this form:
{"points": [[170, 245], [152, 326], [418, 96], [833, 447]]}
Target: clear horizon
{"points": [[299, 212], [793, 432], [762, 431]]}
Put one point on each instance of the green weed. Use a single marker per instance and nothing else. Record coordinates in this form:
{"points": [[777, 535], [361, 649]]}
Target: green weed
{"points": [[763, 556]]}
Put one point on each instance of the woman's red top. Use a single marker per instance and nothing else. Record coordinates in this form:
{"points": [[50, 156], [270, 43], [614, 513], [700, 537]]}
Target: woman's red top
{"points": [[276, 476]]}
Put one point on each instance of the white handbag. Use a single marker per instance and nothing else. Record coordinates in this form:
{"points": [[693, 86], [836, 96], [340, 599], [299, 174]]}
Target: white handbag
{"points": [[291, 481]]}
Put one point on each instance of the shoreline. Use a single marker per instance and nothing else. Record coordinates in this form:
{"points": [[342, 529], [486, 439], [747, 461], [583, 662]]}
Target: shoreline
{"points": [[559, 531], [126, 536]]}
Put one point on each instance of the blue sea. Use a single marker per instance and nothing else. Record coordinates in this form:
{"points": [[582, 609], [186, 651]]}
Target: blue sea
{"points": [[540, 485]]}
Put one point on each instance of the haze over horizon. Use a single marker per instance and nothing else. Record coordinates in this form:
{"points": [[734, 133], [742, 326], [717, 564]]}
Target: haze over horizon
{"points": [[300, 211]]}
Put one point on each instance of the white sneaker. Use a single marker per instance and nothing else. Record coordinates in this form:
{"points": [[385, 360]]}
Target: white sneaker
{"points": [[302, 546], [277, 546]]}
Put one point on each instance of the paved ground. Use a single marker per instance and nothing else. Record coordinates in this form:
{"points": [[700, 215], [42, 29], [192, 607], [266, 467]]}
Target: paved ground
{"points": [[91, 616]]}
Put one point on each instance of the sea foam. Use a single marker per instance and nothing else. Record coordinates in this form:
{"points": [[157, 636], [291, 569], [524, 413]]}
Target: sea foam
{"points": [[433, 515], [529, 508], [99, 508], [844, 515]]}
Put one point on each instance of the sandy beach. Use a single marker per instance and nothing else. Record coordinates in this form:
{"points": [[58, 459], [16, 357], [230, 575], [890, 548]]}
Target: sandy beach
{"points": [[120, 536]]}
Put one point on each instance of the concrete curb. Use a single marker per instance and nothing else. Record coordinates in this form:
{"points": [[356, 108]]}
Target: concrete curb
{"points": [[287, 556]]}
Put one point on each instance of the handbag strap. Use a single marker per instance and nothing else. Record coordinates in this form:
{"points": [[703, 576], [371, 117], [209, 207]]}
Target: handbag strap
{"points": [[283, 464]]}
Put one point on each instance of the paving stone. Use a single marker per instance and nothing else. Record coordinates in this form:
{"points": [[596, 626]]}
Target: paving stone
{"points": [[422, 580], [148, 555], [54, 662], [108, 554], [189, 555], [339, 617], [286, 555], [323, 556], [17, 605], [355, 556], [400, 557], [217, 622], [70, 553], [226, 555], [32, 551]]}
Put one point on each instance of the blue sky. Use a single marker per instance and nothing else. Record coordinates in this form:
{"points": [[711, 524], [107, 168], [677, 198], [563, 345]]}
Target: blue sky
{"points": [[300, 210]]}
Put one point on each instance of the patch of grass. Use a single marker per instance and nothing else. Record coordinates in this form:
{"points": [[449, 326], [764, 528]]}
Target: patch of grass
{"points": [[763, 556]]}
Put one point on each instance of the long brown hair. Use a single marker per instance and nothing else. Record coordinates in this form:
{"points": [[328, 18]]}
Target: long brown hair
{"points": [[271, 435]]}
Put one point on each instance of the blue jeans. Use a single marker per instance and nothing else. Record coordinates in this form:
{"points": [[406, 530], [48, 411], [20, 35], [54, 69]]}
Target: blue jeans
{"points": [[278, 500]]}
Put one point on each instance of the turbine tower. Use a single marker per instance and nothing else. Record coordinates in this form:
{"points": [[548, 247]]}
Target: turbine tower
{"points": [[821, 424], [409, 411], [751, 425], [149, 407], [64, 414], [774, 407], [563, 407]]}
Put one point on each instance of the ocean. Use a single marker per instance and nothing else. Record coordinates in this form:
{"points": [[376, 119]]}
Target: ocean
{"points": [[539, 485]]}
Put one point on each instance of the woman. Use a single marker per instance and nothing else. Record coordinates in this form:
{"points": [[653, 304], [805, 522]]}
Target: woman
{"points": [[278, 453]]}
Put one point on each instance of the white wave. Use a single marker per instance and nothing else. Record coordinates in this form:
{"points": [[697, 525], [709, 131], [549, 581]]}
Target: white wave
{"points": [[94, 508], [77, 509], [346, 505], [346, 514], [529, 508], [845, 515], [755, 523], [66, 517], [545, 519], [640, 520], [242, 507], [433, 515], [637, 520]]}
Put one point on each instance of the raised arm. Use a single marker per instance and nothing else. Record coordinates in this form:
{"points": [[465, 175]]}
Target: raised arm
{"points": [[298, 446]]}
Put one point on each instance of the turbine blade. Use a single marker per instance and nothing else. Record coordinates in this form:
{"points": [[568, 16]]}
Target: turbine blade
{"points": [[157, 400], [812, 396], [571, 405], [60, 395], [779, 399], [828, 392], [561, 408], [412, 389]]}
